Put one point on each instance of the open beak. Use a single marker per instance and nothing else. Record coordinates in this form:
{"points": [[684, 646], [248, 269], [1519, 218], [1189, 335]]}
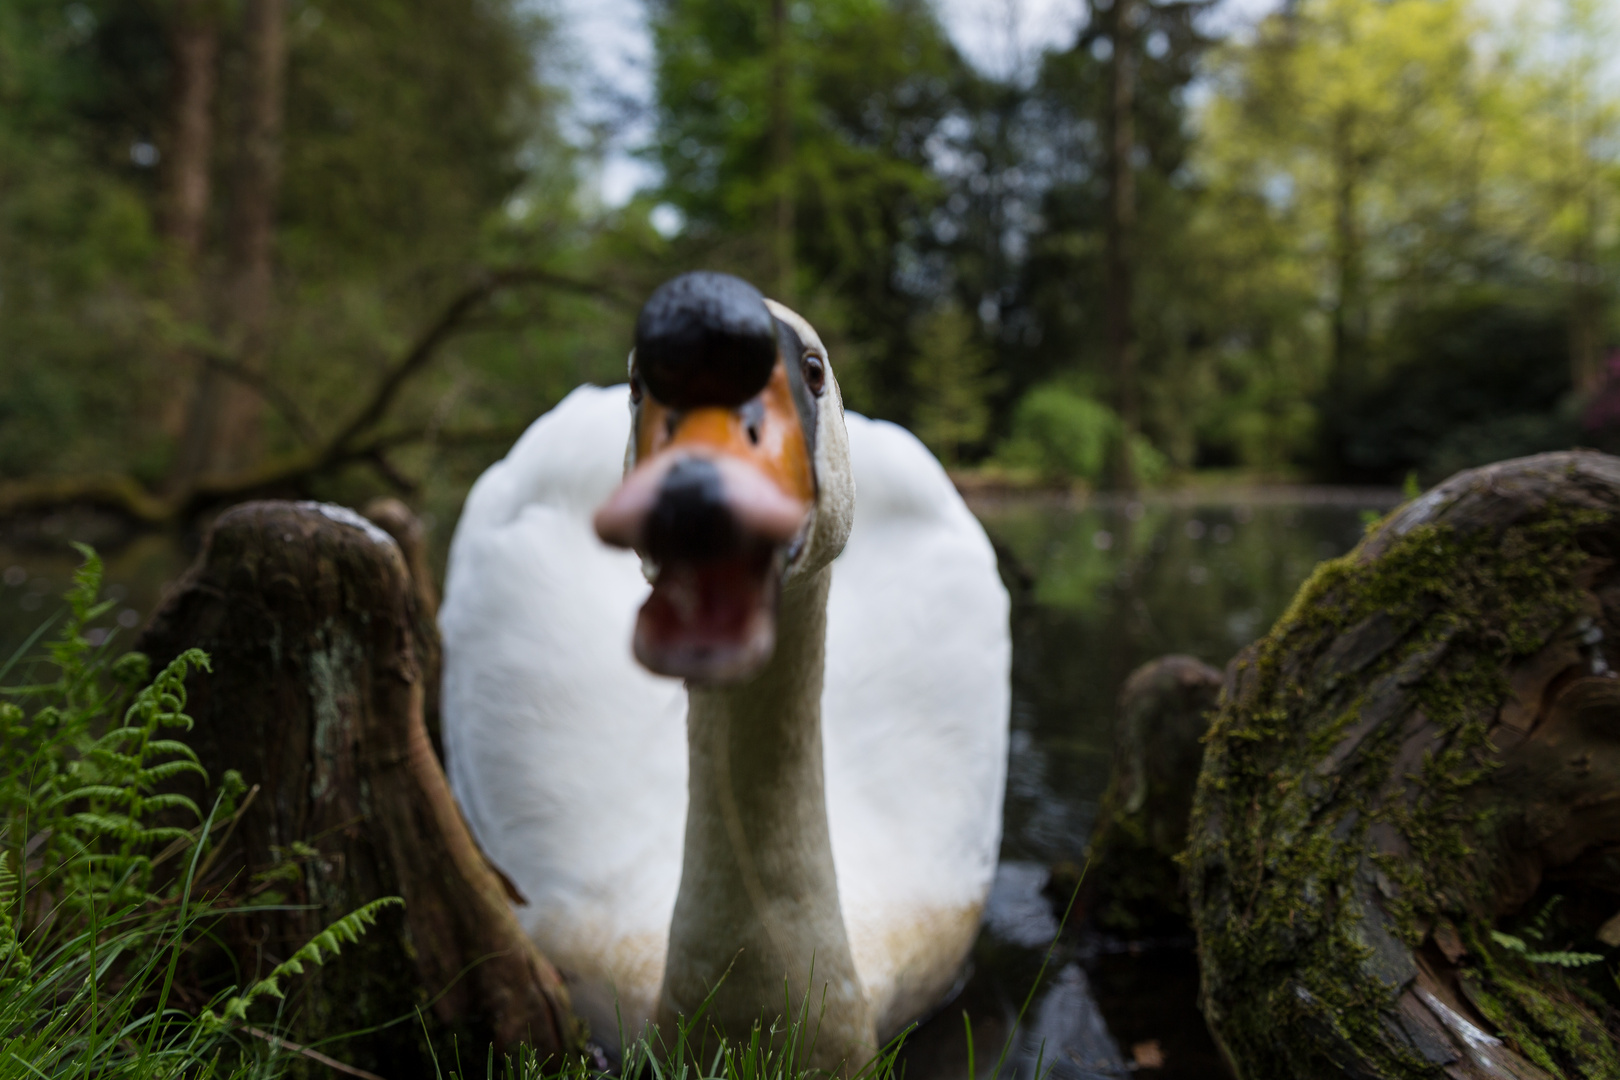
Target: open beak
{"points": [[715, 504]]}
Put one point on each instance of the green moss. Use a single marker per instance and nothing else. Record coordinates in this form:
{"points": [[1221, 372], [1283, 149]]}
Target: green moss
{"points": [[1302, 815]]}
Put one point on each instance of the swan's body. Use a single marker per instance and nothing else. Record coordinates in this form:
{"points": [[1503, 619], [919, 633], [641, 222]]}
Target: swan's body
{"points": [[571, 761]]}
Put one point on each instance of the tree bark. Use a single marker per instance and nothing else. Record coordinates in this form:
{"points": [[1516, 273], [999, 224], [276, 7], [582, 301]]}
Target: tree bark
{"points": [[1344, 365], [1423, 751], [1586, 316], [1122, 342], [194, 52], [188, 153], [1132, 884], [318, 644], [781, 154], [224, 429], [395, 518]]}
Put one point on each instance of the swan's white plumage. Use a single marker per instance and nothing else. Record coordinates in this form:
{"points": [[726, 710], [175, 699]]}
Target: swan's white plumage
{"points": [[570, 760]]}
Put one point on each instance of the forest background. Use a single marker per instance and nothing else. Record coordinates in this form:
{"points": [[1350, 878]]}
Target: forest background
{"points": [[278, 246]]}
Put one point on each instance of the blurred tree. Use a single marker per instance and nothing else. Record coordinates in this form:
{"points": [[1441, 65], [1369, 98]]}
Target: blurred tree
{"points": [[207, 204], [1402, 166], [1104, 279], [1352, 119], [813, 120], [954, 380], [1569, 118]]}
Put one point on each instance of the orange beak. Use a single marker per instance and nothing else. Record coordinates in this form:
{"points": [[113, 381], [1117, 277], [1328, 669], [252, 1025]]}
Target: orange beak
{"points": [[715, 501]]}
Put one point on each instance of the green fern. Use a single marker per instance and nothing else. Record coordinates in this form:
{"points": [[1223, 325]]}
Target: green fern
{"points": [[1558, 958], [328, 942], [88, 953]]}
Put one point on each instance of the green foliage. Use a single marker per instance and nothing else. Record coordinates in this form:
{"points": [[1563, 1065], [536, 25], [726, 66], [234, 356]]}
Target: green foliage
{"points": [[855, 92], [1465, 383], [955, 381], [1064, 435], [99, 865], [1537, 929], [317, 951]]}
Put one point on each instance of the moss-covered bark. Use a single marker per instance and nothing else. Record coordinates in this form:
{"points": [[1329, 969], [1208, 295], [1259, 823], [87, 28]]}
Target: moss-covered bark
{"points": [[1133, 883], [1426, 740], [317, 698]]}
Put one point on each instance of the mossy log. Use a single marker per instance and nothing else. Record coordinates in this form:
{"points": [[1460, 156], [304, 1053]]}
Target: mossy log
{"points": [[1133, 883], [1420, 753], [316, 698]]}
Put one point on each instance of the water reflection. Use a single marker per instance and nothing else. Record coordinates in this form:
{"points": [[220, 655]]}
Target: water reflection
{"points": [[1109, 587]]}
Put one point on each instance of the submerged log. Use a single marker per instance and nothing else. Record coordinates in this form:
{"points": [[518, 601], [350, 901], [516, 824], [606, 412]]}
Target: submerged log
{"points": [[316, 697], [1132, 882], [1421, 754]]}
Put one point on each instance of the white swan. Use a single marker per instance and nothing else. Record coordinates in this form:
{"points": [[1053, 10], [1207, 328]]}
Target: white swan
{"points": [[573, 763]]}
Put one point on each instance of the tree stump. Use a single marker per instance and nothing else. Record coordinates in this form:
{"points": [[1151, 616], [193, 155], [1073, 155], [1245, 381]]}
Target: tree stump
{"points": [[1133, 884], [1425, 745], [316, 697]]}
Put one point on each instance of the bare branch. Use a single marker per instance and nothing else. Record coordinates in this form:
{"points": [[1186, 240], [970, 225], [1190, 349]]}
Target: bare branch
{"points": [[356, 441], [450, 320], [278, 398]]}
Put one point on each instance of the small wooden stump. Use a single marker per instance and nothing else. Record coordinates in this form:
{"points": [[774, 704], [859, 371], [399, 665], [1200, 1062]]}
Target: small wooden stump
{"points": [[318, 643], [1133, 884], [1422, 750]]}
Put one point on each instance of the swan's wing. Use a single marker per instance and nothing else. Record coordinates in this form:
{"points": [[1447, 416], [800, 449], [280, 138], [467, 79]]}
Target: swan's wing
{"points": [[568, 758], [915, 719]]}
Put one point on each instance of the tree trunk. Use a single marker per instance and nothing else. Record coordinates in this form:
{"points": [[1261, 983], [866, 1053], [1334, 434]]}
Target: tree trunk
{"points": [[1586, 304], [188, 156], [1132, 883], [1426, 744], [781, 154], [1120, 237], [224, 429], [1344, 364], [187, 160], [316, 697]]}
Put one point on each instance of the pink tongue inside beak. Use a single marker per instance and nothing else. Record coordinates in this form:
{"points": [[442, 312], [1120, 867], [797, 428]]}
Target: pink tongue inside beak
{"points": [[711, 617], [712, 621]]}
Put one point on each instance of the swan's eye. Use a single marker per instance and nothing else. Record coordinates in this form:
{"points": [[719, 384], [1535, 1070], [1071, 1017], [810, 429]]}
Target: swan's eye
{"points": [[635, 388], [815, 373]]}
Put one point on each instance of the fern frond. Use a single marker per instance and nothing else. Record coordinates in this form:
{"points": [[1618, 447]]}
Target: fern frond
{"points": [[169, 801], [88, 791], [171, 746], [120, 825], [160, 835], [1564, 958], [168, 770], [345, 930]]}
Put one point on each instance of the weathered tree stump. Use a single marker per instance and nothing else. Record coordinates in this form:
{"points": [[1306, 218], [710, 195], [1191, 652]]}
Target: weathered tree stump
{"points": [[316, 697], [1425, 745], [1133, 883]]}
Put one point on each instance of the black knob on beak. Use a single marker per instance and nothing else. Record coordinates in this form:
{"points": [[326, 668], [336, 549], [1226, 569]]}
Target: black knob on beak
{"points": [[705, 339]]}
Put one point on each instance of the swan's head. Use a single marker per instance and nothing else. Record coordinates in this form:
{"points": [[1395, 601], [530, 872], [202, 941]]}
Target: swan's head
{"points": [[737, 480]]}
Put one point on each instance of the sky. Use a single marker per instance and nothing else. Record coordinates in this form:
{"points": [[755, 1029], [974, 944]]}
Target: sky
{"points": [[612, 62]]}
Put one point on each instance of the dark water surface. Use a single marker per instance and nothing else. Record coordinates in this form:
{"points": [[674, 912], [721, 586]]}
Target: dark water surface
{"points": [[1097, 589]]}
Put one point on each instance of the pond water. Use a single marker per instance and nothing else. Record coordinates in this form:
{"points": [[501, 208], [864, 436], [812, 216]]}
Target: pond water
{"points": [[1098, 588]]}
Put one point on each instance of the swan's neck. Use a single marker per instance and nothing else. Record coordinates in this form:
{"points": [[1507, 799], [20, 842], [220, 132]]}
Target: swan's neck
{"points": [[758, 894]]}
